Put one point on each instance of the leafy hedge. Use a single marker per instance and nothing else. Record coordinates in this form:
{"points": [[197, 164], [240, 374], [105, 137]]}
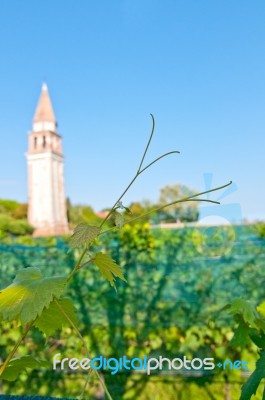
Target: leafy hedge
{"points": [[13, 219], [176, 281]]}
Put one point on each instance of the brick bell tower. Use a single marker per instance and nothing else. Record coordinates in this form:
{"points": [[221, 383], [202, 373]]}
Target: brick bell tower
{"points": [[46, 195]]}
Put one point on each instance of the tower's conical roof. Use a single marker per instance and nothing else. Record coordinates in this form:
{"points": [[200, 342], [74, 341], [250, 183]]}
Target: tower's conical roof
{"points": [[44, 111]]}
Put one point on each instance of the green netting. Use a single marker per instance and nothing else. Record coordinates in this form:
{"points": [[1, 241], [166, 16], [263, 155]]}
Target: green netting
{"points": [[176, 280]]}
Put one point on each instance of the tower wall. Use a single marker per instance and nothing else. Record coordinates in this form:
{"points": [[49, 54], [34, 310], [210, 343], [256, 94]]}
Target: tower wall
{"points": [[46, 196]]}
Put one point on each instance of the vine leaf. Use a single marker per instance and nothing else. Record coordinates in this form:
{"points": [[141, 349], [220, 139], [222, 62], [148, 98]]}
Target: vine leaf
{"points": [[18, 365], [250, 387], [29, 293], [257, 338], [247, 310], [118, 220], [52, 318], [83, 233], [108, 267], [241, 336]]}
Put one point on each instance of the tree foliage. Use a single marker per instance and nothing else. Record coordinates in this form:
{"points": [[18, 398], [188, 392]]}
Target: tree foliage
{"points": [[13, 219], [81, 213], [184, 212]]}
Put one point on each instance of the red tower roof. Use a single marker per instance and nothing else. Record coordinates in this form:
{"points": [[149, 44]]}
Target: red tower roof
{"points": [[44, 111]]}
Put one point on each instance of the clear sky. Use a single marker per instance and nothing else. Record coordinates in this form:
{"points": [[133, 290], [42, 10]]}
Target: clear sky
{"points": [[198, 66]]}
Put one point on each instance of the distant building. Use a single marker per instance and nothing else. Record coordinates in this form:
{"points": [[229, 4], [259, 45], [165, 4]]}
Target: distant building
{"points": [[46, 195]]}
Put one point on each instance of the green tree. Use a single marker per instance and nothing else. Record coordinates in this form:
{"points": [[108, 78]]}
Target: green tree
{"points": [[138, 208], [81, 213], [185, 212], [13, 219]]}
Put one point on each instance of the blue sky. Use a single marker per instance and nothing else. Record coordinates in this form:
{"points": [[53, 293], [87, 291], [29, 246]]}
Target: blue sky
{"points": [[198, 66]]}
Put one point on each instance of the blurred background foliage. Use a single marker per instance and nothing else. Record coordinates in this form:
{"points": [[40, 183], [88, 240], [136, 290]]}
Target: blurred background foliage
{"points": [[183, 212], [13, 219], [177, 280], [13, 215]]}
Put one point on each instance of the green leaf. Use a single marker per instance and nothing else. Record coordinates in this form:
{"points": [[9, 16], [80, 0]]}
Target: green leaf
{"points": [[118, 220], [241, 336], [84, 234], [246, 309], [250, 387], [29, 293], [52, 318], [261, 309], [257, 338], [18, 365], [261, 324], [108, 267]]}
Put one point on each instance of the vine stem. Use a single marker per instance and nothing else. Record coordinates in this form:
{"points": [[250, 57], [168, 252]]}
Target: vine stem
{"points": [[139, 170], [86, 263], [185, 199], [77, 265], [114, 207], [13, 351], [149, 141], [86, 348]]}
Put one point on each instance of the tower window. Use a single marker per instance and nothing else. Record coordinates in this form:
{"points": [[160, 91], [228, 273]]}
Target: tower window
{"points": [[44, 142], [35, 142]]}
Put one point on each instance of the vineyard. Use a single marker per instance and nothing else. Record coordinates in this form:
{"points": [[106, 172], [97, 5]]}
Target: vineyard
{"points": [[177, 281]]}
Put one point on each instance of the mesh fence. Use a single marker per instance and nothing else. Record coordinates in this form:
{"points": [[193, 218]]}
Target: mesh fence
{"points": [[176, 281]]}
